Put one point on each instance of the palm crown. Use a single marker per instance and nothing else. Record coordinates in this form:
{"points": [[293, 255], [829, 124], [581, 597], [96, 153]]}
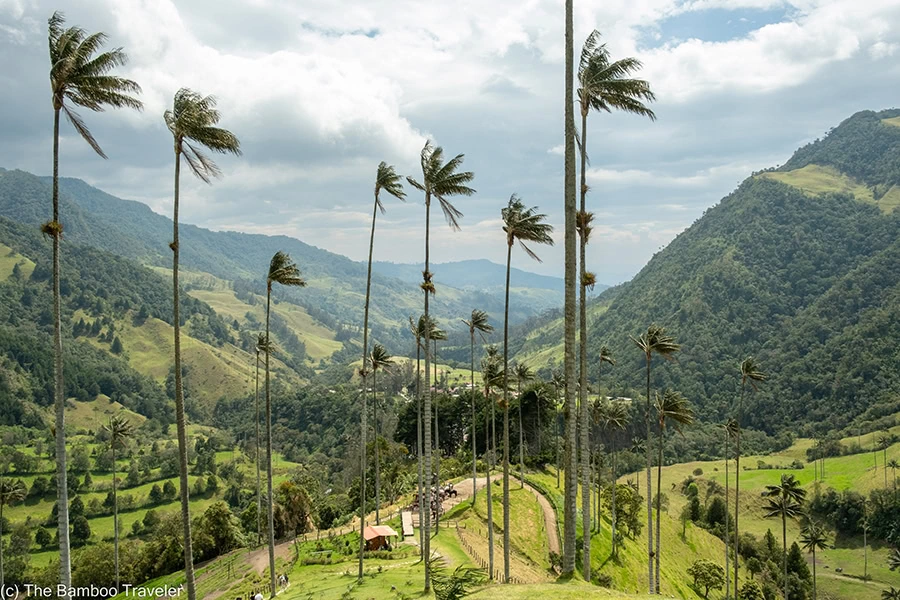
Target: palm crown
{"points": [[387, 179], [605, 356], [479, 322], [443, 181], [750, 372], [77, 75], [192, 121], [263, 345], [611, 415], [12, 491], [657, 341], [605, 85], [785, 499], [379, 358], [525, 225], [813, 537], [284, 271], [672, 407], [119, 429], [523, 372]]}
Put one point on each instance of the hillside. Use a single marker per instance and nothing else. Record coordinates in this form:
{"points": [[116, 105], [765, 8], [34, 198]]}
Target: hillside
{"points": [[797, 267]]}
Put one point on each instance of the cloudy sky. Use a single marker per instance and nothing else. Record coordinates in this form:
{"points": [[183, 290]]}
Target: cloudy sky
{"points": [[320, 91]]}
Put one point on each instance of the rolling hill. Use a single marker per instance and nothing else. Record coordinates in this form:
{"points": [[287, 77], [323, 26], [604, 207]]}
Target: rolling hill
{"points": [[798, 267]]}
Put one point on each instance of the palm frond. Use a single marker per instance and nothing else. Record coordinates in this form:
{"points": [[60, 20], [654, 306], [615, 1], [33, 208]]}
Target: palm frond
{"points": [[284, 271], [525, 225], [77, 122]]}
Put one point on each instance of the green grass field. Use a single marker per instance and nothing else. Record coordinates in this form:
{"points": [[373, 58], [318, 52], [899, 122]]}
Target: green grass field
{"points": [[9, 258], [815, 179], [894, 121]]}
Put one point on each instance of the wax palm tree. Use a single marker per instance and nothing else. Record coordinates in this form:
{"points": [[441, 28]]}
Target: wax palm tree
{"points": [[730, 430], [613, 418], [79, 76], [785, 500], [671, 407], [605, 356], [603, 86], [558, 381], [890, 594], [435, 334], [654, 341], [192, 122], [523, 373], [750, 373], [417, 328], [477, 322], [520, 224], [283, 271], [120, 431], [492, 376], [387, 180], [10, 493], [379, 359], [571, 491], [442, 181], [813, 537], [884, 442], [262, 345], [893, 465]]}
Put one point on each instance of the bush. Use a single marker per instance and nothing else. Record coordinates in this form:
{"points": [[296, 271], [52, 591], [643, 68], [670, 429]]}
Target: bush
{"points": [[698, 471], [601, 579]]}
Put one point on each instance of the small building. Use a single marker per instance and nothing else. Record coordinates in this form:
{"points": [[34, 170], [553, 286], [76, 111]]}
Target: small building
{"points": [[377, 537]]}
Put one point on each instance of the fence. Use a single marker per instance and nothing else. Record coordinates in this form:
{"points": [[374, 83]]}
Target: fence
{"points": [[477, 558]]}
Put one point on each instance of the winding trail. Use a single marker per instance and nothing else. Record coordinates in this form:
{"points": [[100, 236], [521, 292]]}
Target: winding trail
{"points": [[549, 520]]}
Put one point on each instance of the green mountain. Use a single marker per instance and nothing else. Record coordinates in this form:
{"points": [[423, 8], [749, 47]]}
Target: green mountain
{"points": [[798, 267]]}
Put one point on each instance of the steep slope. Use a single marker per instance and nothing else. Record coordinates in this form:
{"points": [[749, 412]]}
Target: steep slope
{"points": [[803, 278]]}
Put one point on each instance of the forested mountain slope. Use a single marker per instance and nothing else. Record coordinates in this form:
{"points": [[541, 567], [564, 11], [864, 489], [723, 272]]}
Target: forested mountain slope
{"points": [[806, 279]]}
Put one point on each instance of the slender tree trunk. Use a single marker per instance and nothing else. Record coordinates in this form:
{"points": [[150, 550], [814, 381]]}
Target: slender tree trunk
{"points": [[570, 282], [556, 437], [65, 562], [521, 440], [115, 491], [257, 456], [538, 436], [506, 417], [649, 488], [615, 524], [582, 370], [377, 452], [659, 501], [865, 552], [737, 483], [494, 434], [427, 397], [364, 429], [2, 502], [179, 395], [422, 507], [490, 501], [474, 451], [784, 558], [271, 497], [727, 518], [437, 467], [815, 594]]}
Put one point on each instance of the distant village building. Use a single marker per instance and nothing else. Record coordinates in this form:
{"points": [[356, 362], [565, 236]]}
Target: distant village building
{"points": [[378, 537]]}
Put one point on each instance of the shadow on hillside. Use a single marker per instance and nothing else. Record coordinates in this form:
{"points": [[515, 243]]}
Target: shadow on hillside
{"points": [[855, 542]]}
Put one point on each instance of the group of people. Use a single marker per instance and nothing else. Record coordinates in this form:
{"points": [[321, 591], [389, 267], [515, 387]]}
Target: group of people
{"points": [[282, 582]]}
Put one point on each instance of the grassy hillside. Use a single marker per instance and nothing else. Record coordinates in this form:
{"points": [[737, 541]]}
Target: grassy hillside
{"points": [[815, 180], [9, 258]]}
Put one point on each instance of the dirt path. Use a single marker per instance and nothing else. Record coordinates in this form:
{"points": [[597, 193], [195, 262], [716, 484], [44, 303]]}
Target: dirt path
{"points": [[549, 519], [259, 559]]}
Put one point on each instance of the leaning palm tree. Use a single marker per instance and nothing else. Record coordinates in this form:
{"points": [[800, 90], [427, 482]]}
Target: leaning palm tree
{"points": [[10, 493], [192, 122], [283, 271], [80, 76], [523, 373], [813, 537], [442, 181], [119, 430], [654, 341], [751, 374], [571, 491], [603, 86], [477, 322], [379, 359], [262, 345], [520, 224], [386, 179], [786, 502], [673, 408]]}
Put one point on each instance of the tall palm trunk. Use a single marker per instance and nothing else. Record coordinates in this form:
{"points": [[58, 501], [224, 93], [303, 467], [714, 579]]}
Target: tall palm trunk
{"points": [[258, 479], [377, 452], [65, 561], [582, 370], [270, 498], [115, 490], [659, 502], [614, 523], [437, 466], [364, 409], [784, 558], [570, 282], [506, 419], [179, 396], [815, 595], [521, 440], [737, 481], [2, 580], [427, 398], [556, 437], [422, 507], [727, 518], [649, 489], [472, 389], [490, 502]]}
